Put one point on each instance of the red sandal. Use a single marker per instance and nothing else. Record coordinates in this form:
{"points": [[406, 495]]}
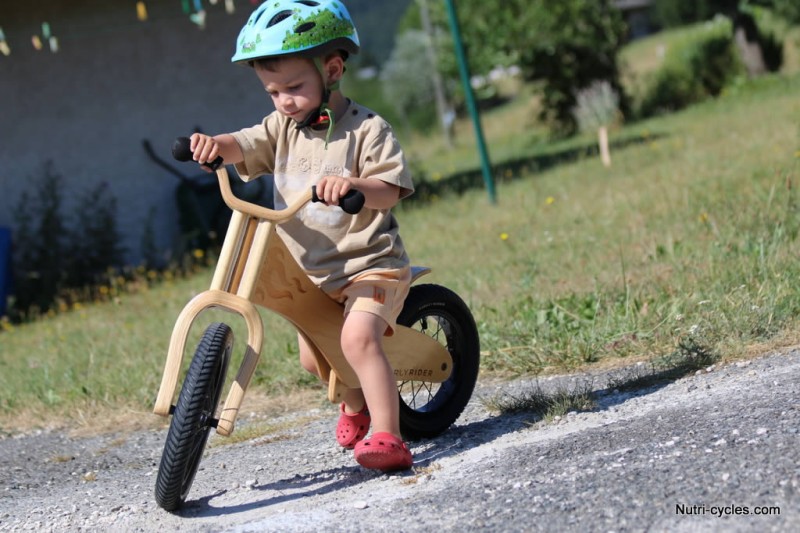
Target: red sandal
{"points": [[352, 428], [383, 451]]}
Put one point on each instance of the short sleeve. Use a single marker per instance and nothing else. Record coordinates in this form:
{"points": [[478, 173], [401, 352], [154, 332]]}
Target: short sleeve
{"points": [[383, 159], [258, 145]]}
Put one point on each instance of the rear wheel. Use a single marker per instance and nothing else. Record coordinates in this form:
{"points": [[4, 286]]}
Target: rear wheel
{"points": [[427, 409], [193, 417]]}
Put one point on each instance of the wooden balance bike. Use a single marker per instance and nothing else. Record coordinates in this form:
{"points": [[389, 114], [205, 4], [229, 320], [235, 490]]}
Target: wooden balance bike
{"points": [[434, 351]]}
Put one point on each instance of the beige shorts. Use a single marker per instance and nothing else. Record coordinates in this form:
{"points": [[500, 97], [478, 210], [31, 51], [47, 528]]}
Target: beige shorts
{"points": [[380, 292]]}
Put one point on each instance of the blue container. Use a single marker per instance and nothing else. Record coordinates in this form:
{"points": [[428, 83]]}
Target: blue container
{"points": [[5, 268]]}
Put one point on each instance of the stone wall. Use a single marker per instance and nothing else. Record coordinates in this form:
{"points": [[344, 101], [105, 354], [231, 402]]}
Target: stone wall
{"points": [[114, 82]]}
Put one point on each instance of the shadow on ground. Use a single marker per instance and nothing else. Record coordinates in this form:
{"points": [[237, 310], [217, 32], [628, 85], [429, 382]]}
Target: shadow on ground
{"points": [[513, 169]]}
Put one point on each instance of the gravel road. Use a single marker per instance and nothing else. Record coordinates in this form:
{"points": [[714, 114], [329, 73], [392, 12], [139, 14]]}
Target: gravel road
{"points": [[714, 451]]}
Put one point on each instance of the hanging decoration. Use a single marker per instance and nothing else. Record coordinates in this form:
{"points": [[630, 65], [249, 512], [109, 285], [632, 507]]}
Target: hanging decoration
{"points": [[4, 48], [141, 11], [199, 16], [193, 8], [49, 37]]}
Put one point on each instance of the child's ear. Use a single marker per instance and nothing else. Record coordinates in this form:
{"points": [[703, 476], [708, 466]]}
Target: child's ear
{"points": [[334, 67]]}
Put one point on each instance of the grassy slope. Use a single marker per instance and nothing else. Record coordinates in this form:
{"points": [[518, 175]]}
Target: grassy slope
{"points": [[699, 217]]}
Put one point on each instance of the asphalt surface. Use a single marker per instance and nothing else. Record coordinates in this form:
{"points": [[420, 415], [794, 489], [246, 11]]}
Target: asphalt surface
{"points": [[718, 450]]}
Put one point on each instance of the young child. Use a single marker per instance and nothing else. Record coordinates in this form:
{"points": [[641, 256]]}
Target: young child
{"points": [[316, 136]]}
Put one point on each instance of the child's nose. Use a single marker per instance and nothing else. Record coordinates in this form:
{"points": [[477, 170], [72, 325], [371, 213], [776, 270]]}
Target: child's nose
{"points": [[287, 101]]}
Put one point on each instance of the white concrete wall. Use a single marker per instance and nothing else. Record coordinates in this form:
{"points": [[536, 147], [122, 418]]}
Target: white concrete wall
{"points": [[114, 82]]}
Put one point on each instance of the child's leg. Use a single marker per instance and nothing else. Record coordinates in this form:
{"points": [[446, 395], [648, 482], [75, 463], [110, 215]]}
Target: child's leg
{"points": [[353, 399], [372, 305], [306, 356], [362, 336]]}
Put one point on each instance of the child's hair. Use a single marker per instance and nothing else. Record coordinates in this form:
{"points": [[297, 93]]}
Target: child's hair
{"points": [[271, 62]]}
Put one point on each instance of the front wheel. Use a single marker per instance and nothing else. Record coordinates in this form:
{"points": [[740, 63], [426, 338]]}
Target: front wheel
{"points": [[428, 409], [194, 416]]}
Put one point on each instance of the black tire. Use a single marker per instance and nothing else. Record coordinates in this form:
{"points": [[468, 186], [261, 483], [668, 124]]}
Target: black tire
{"points": [[428, 409], [193, 417]]}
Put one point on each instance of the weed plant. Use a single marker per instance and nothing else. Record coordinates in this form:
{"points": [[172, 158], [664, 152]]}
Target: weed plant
{"points": [[542, 404]]}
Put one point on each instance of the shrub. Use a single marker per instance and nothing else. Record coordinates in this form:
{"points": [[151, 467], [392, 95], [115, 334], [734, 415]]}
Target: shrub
{"points": [[597, 106], [94, 240], [771, 31], [51, 255], [694, 69], [38, 245], [772, 48]]}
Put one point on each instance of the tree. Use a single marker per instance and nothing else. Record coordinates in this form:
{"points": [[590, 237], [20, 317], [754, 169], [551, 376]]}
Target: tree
{"points": [[596, 110], [442, 106], [405, 80], [566, 44], [575, 44]]}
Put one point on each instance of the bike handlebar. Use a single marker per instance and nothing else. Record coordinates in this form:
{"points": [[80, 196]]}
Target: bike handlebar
{"points": [[351, 203]]}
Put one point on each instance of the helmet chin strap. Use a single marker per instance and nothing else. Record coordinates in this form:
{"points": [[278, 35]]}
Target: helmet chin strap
{"points": [[322, 117]]}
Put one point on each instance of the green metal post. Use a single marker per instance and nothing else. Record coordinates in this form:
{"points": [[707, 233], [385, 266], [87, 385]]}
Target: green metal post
{"points": [[470, 96]]}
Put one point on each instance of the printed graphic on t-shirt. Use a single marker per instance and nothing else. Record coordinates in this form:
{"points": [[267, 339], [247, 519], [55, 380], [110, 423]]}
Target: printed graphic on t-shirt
{"points": [[289, 186], [319, 214], [308, 166]]}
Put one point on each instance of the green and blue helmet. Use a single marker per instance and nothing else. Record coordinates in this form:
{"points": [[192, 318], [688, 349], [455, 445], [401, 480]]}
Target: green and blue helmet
{"points": [[307, 28]]}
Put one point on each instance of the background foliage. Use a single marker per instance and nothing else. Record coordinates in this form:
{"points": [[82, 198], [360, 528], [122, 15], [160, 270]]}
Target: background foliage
{"points": [[567, 45], [696, 67], [672, 13]]}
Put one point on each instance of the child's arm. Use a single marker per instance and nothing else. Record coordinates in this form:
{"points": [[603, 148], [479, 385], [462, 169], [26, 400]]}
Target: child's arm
{"points": [[378, 194], [206, 148]]}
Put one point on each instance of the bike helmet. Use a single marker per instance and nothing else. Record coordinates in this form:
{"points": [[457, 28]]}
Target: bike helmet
{"points": [[299, 27]]}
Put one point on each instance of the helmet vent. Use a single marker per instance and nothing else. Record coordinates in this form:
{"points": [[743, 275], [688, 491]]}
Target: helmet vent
{"points": [[302, 28], [309, 3], [283, 15]]}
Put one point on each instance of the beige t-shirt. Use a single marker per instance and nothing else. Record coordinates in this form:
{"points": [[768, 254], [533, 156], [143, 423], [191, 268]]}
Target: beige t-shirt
{"points": [[329, 244]]}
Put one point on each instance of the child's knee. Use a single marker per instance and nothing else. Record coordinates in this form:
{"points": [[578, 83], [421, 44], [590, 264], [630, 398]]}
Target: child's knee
{"points": [[362, 334], [354, 342], [307, 359]]}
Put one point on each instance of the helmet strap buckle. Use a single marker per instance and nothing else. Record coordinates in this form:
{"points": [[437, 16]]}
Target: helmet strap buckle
{"points": [[321, 118]]}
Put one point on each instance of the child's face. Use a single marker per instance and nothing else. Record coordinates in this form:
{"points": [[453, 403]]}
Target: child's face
{"points": [[295, 86]]}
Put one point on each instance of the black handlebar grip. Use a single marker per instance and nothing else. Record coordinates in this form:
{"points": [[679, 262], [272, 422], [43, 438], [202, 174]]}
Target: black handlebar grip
{"points": [[351, 203], [181, 150]]}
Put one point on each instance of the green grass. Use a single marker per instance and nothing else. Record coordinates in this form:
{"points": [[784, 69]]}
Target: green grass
{"points": [[105, 360], [691, 232], [689, 239]]}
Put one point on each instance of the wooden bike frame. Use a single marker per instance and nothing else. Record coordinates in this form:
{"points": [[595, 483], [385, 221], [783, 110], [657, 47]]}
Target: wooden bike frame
{"points": [[255, 268]]}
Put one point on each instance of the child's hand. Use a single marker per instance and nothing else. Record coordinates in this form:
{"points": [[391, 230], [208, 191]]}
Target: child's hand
{"points": [[205, 149], [331, 188]]}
